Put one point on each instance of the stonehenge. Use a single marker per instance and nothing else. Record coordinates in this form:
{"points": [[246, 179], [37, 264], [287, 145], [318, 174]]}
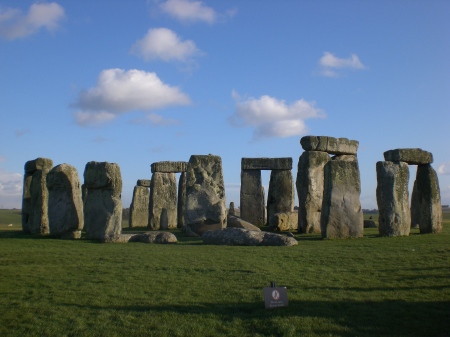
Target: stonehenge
{"points": [[139, 204]]}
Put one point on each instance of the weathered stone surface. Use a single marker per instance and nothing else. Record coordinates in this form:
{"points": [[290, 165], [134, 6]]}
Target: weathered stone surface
{"points": [[280, 197], [287, 221], [369, 224], [266, 163], [144, 182], [139, 207], [252, 199], [342, 216], [237, 222], [35, 196], [163, 201], [231, 210], [242, 237], [310, 190], [181, 205], [65, 206], [410, 156], [200, 228], [205, 191], [169, 166], [329, 144], [392, 198], [102, 205], [427, 210], [149, 237]]}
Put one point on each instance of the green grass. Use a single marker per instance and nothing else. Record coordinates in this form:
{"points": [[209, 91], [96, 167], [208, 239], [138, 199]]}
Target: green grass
{"points": [[375, 286]]}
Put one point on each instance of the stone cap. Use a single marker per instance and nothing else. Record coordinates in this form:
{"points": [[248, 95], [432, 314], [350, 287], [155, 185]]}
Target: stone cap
{"points": [[38, 164], [169, 166], [266, 163], [410, 156], [143, 182], [329, 144], [103, 175]]}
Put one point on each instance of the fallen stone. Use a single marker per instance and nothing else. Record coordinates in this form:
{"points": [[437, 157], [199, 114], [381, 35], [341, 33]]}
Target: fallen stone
{"points": [[169, 166], [237, 222], [243, 237], [369, 224], [329, 144], [149, 237], [201, 228], [266, 163], [409, 156], [287, 221]]}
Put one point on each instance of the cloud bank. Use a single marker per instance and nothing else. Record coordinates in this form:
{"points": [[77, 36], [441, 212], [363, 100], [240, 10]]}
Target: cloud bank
{"points": [[273, 118], [14, 24], [189, 11], [330, 63], [119, 91]]}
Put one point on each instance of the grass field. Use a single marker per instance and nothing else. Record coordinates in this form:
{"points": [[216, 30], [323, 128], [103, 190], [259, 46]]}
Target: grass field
{"points": [[374, 286]]}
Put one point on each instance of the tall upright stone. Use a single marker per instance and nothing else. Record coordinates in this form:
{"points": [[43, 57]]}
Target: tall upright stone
{"points": [[163, 201], [139, 204], [65, 206], [309, 183], [252, 200], [280, 197], [426, 210], [103, 204], [205, 191], [342, 215], [392, 198], [181, 205], [35, 196]]}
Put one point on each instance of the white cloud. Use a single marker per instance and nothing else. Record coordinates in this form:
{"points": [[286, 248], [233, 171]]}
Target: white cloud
{"points": [[11, 185], [14, 24], [189, 11], [444, 169], [164, 44], [329, 63], [272, 117], [119, 91]]}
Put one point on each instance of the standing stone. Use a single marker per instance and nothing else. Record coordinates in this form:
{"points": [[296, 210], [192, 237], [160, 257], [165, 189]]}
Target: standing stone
{"points": [[310, 190], [163, 198], [139, 207], [35, 196], [426, 209], [205, 191], [231, 210], [342, 216], [280, 197], [181, 205], [392, 198], [252, 203], [65, 206], [102, 206]]}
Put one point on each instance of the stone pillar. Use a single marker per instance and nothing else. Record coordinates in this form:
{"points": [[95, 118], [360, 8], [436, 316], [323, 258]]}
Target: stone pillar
{"points": [[252, 198], [392, 198], [205, 192], [102, 206], [310, 190], [163, 201], [280, 197], [181, 206], [65, 206], [139, 205], [342, 215], [426, 210], [35, 196]]}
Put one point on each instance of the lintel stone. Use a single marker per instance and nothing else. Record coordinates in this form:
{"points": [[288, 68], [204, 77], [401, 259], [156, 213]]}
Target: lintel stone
{"points": [[143, 182], [330, 145], [410, 156], [169, 166], [266, 163]]}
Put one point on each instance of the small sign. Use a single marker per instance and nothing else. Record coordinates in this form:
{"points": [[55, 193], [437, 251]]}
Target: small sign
{"points": [[275, 297]]}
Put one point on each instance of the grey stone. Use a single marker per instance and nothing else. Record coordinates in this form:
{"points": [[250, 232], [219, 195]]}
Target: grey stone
{"points": [[144, 182], [427, 209], [102, 205], [205, 191], [65, 206], [329, 144], [410, 156], [266, 163], [342, 216], [280, 197], [369, 224], [231, 210], [35, 196], [201, 228], [309, 183], [287, 221], [242, 237], [169, 166], [252, 200], [149, 237], [392, 198], [181, 205], [139, 207], [163, 201], [237, 222]]}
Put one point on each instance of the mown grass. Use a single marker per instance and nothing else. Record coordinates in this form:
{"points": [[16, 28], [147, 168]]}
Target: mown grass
{"points": [[373, 286]]}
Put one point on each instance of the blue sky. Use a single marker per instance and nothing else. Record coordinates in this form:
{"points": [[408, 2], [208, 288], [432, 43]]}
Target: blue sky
{"points": [[136, 82]]}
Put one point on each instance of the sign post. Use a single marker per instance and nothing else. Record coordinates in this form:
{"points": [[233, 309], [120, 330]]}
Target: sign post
{"points": [[275, 297]]}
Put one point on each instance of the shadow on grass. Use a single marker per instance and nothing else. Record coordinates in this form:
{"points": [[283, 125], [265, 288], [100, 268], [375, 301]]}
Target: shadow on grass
{"points": [[348, 318]]}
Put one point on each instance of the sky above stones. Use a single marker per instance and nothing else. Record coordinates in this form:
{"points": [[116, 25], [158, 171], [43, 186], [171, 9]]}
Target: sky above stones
{"points": [[137, 82]]}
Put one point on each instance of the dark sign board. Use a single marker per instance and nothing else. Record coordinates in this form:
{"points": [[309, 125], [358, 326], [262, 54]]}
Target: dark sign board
{"points": [[275, 297]]}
